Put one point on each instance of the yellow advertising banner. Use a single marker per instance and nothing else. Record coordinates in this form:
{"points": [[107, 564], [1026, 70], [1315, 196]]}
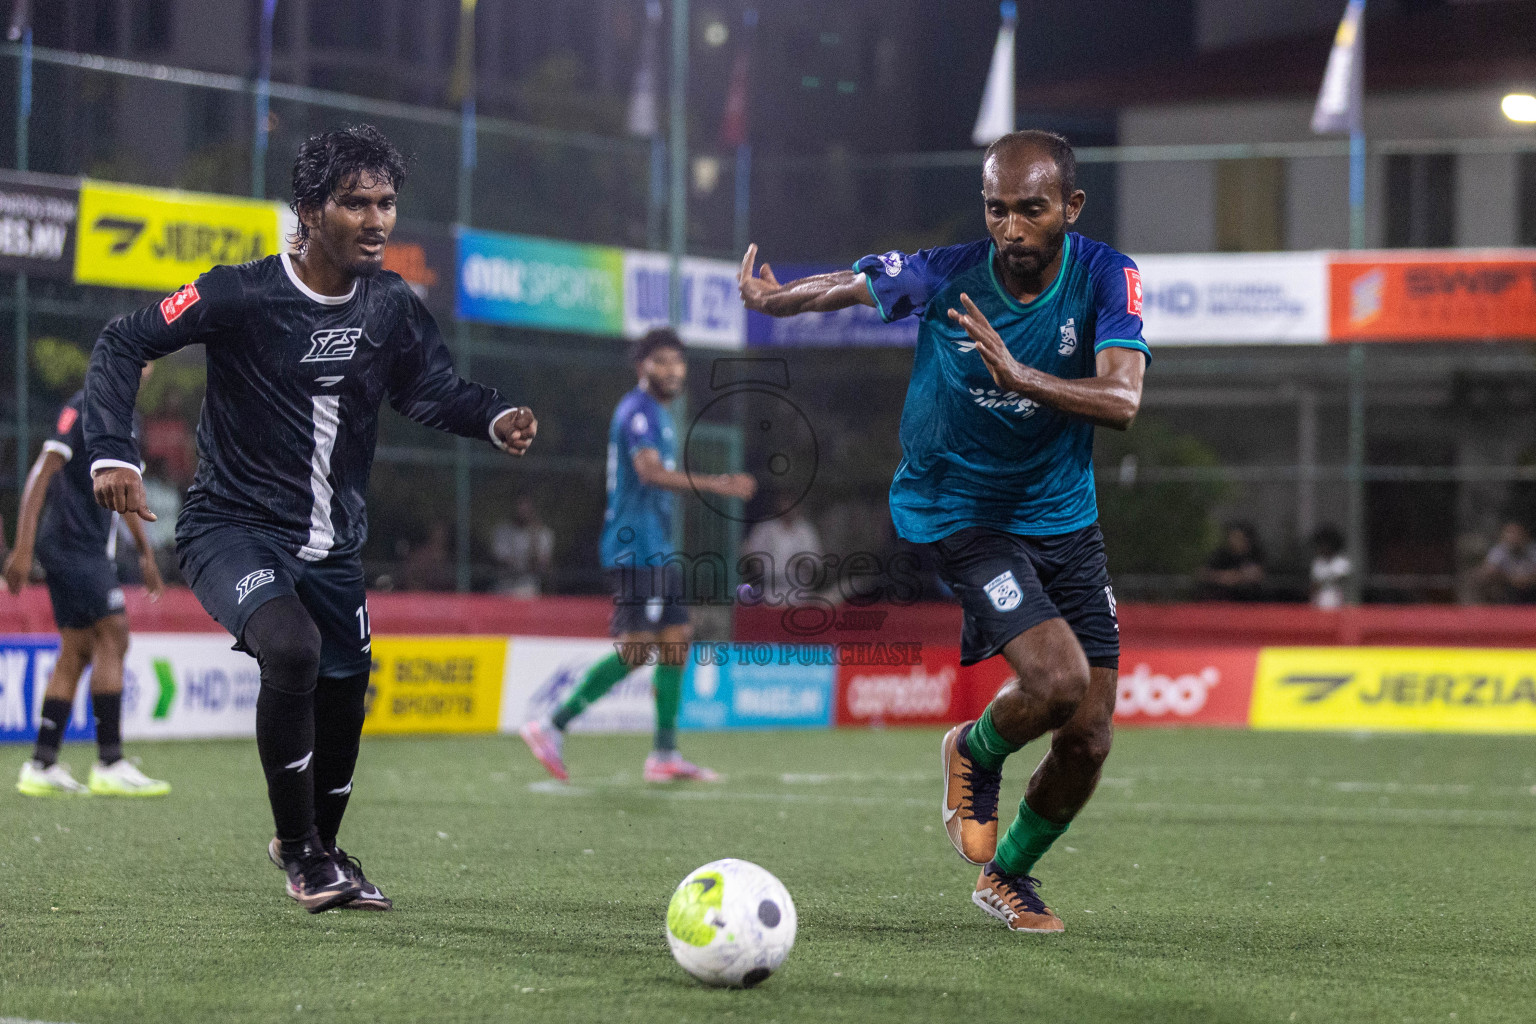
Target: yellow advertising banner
{"points": [[435, 684], [1406, 689], [159, 239]]}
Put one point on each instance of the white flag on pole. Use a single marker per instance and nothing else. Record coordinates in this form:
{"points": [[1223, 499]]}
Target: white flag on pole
{"points": [[995, 118], [642, 119], [1340, 101]]}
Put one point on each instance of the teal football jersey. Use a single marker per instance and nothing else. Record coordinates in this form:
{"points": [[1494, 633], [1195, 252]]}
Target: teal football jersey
{"points": [[974, 454], [637, 528]]}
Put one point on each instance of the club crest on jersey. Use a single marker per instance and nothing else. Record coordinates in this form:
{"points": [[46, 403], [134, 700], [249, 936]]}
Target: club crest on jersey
{"points": [[259, 578], [333, 345], [172, 306], [1068, 337], [893, 261], [1004, 592]]}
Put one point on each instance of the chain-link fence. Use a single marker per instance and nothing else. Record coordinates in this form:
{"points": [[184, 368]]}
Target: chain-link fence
{"points": [[1415, 455]]}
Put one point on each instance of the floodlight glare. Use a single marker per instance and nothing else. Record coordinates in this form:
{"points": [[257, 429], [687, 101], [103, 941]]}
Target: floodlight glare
{"points": [[1520, 106]]}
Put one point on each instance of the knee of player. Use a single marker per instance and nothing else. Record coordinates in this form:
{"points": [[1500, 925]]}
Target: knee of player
{"points": [[286, 643], [1087, 747], [1062, 687], [110, 636]]}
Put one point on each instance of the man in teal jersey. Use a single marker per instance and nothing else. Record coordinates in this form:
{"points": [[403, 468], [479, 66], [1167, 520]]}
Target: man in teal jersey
{"points": [[1029, 339], [650, 610]]}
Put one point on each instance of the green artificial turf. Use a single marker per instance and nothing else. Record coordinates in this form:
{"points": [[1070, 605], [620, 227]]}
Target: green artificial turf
{"points": [[1217, 876]]}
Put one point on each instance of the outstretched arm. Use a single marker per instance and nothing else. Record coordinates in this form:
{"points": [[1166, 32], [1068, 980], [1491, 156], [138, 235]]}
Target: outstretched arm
{"points": [[649, 468], [1110, 399], [19, 565], [820, 293]]}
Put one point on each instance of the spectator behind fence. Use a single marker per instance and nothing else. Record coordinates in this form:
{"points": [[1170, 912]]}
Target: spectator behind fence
{"points": [[1330, 568], [428, 565], [524, 550], [1508, 574], [771, 547], [1235, 570]]}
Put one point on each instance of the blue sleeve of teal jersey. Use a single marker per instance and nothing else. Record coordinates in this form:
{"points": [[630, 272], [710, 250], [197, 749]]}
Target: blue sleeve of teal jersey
{"points": [[903, 283], [640, 429], [1116, 299]]}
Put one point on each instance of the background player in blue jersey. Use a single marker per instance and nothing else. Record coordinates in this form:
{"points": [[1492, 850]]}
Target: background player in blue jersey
{"points": [[650, 608], [301, 350], [1029, 339], [76, 541]]}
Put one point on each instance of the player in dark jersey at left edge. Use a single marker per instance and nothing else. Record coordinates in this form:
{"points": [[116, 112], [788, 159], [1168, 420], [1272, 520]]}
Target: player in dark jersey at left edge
{"points": [[301, 350]]}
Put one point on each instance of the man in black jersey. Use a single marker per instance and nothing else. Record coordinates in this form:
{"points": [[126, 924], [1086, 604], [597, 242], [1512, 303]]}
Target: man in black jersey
{"points": [[301, 350], [76, 541]]}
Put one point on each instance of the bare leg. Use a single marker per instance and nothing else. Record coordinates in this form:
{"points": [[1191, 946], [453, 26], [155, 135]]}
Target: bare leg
{"points": [[75, 649], [1052, 680], [1070, 770], [111, 646]]}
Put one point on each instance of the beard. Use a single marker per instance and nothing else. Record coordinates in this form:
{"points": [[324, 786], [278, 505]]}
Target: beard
{"points": [[365, 267], [1031, 260]]}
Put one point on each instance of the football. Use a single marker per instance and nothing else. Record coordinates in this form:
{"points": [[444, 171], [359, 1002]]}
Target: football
{"points": [[731, 924]]}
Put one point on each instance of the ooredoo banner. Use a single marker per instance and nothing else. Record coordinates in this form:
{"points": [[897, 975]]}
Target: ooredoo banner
{"points": [[930, 693]]}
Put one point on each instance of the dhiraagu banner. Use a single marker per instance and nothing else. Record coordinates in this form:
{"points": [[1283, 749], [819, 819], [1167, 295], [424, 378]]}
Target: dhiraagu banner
{"points": [[159, 239], [537, 282]]}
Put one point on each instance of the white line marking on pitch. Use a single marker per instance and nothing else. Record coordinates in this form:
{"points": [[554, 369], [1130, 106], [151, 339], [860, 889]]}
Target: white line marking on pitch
{"points": [[1257, 813], [21, 1020]]}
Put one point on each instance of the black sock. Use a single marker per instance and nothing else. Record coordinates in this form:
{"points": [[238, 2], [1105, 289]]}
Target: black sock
{"points": [[50, 730], [286, 643], [285, 738], [339, 714], [109, 725]]}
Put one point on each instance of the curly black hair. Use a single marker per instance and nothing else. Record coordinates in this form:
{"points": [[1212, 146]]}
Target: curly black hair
{"points": [[328, 161]]}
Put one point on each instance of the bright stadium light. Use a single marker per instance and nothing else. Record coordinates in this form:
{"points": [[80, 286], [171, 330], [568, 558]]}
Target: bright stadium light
{"points": [[1520, 106]]}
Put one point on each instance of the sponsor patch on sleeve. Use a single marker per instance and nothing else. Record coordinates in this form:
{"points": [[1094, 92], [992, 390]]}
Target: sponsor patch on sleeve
{"points": [[172, 306], [1133, 291], [67, 417]]}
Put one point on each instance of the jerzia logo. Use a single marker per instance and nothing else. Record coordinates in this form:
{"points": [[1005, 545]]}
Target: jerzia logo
{"points": [[256, 579], [333, 345]]}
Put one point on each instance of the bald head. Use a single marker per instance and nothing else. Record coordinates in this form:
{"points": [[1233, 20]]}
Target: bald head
{"points": [[1017, 149]]}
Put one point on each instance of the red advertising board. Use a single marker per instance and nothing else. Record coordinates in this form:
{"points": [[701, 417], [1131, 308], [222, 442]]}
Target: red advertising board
{"points": [[1425, 297], [1159, 686], [930, 693]]}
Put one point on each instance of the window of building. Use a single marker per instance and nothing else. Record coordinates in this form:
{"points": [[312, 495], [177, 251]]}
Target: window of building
{"points": [[1421, 200], [1250, 205], [1526, 210]]}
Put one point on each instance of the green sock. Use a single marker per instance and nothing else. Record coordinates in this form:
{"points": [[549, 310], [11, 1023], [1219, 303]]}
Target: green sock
{"points": [[1026, 841], [668, 681], [600, 678], [986, 745]]}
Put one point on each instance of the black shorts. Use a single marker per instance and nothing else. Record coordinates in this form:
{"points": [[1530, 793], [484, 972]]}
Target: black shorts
{"points": [[1007, 584], [82, 586], [647, 599], [234, 570]]}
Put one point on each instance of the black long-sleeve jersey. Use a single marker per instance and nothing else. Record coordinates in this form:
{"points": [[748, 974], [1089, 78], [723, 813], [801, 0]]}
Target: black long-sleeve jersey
{"points": [[290, 419]]}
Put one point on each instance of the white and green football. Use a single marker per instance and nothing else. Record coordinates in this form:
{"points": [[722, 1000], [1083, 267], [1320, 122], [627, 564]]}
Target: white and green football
{"points": [[731, 924]]}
